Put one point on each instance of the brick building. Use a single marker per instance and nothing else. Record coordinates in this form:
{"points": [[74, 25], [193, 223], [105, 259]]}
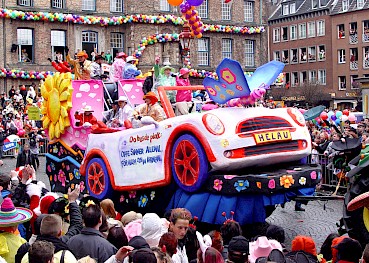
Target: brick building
{"points": [[350, 49], [300, 36], [27, 44]]}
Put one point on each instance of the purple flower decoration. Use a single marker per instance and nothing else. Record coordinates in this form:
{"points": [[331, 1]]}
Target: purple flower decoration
{"points": [[132, 194], [313, 175], [271, 184], [61, 177], [218, 184]]}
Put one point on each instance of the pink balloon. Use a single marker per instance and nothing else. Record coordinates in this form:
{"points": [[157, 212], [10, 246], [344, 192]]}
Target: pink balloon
{"points": [[302, 111], [323, 115], [352, 117]]}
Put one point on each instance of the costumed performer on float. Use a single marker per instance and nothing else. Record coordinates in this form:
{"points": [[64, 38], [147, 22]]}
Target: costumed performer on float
{"points": [[125, 112], [116, 70], [97, 71], [130, 71], [150, 108], [184, 102], [164, 77], [86, 119], [82, 66], [111, 116]]}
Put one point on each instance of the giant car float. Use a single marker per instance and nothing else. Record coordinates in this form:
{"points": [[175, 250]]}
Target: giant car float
{"points": [[233, 158]]}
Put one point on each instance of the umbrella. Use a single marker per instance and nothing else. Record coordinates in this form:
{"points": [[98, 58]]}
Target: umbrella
{"points": [[313, 112], [358, 201]]}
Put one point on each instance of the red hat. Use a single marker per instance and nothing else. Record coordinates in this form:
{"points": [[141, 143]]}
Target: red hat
{"points": [[45, 203], [304, 243], [121, 55], [152, 96]]}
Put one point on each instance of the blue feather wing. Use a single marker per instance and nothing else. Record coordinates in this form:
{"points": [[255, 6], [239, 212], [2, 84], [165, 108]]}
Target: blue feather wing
{"points": [[231, 84], [265, 75]]}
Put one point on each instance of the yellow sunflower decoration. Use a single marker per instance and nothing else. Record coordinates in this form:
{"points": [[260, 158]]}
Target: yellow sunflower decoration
{"points": [[57, 92]]}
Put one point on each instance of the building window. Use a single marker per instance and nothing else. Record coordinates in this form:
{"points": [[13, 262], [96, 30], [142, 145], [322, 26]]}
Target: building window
{"points": [[360, 3], [354, 65], [322, 76], [276, 35], [321, 53], [354, 84], [303, 55], [342, 82], [226, 48], [341, 56], [312, 54], [25, 45], [293, 32], [302, 30], [341, 31], [345, 5], [285, 56], [294, 56], [294, 79], [116, 6], [303, 77], [57, 44], [366, 57], [89, 41], [58, 4], [277, 55], [292, 8], [164, 6], [320, 28], [203, 9], [25, 2], [249, 53], [311, 29], [284, 33], [88, 5], [226, 11], [312, 76], [285, 10], [366, 31], [287, 80], [248, 9], [116, 43], [203, 52], [314, 4]]}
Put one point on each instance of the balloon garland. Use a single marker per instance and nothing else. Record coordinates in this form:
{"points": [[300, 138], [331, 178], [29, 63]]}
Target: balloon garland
{"points": [[193, 19], [119, 20], [21, 74]]}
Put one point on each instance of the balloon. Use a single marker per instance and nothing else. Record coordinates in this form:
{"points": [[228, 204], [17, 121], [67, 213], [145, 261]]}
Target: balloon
{"points": [[323, 115], [338, 114], [175, 2], [195, 2], [346, 112], [333, 117], [344, 118], [317, 120], [302, 110], [352, 117], [330, 114], [337, 121]]}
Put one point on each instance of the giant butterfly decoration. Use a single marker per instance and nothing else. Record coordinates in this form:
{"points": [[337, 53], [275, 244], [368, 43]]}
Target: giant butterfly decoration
{"points": [[234, 88]]}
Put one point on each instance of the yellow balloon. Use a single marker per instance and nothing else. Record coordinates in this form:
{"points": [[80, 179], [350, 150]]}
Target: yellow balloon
{"points": [[175, 2]]}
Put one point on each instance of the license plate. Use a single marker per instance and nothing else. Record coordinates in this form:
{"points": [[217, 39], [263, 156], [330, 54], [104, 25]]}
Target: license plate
{"points": [[272, 136]]}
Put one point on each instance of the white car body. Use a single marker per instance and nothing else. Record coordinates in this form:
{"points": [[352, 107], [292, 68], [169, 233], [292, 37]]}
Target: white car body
{"points": [[141, 158]]}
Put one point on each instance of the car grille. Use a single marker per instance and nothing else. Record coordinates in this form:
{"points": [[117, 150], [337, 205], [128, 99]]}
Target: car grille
{"points": [[260, 123], [271, 148]]}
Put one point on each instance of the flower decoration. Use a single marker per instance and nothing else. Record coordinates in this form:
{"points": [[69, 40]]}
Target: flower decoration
{"points": [[218, 184], [143, 201], [271, 184], [57, 93], [82, 186], [313, 175], [48, 168], [132, 194], [258, 185], [152, 195], [61, 177], [71, 176], [302, 180], [241, 185], [121, 199], [55, 149], [286, 181], [77, 174], [52, 166]]}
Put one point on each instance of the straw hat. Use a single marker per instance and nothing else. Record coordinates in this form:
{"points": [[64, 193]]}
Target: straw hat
{"points": [[11, 216]]}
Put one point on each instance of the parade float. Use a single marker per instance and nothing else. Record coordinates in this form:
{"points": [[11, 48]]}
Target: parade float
{"points": [[233, 158]]}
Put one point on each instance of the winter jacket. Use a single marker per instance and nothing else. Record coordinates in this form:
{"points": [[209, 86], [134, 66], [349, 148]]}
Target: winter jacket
{"points": [[91, 243], [183, 95]]}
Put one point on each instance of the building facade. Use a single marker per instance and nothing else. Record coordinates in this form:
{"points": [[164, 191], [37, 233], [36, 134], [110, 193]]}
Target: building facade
{"points": [[28, 40], [300, 36]]}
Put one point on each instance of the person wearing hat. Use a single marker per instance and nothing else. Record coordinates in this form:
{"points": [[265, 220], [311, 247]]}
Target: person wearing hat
{"points": [[184, 97], [349, 251], [97, 71], [238, 250], [117, 67], [164, 77], [81, 65], [111, 115], [10, 218], [130, 71], [125, 112], [88, 119], [150, 108]]}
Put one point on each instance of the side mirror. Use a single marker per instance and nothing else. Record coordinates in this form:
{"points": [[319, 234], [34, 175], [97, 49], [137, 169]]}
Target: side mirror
{"points": [[147, 120]]}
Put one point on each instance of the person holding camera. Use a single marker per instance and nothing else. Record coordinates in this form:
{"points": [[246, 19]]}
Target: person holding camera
{"points": [[34, 138]]}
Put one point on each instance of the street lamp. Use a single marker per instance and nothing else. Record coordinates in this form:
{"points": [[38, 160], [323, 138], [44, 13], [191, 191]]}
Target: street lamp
{"points": [[185, 38]]}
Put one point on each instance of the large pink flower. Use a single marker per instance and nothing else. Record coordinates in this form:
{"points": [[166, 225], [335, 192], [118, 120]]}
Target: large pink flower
{"points": [[218, 184], [61, 177], [313, 175], [271, 184]]}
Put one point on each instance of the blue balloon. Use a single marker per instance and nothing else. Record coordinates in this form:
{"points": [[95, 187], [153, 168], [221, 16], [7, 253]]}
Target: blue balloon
{"points": [[338, 114], [330, 114], [195, 2], [337, 121]]}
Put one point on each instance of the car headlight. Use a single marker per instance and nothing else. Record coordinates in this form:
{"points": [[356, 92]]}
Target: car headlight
{"points": [[297, 116], [213, 124]]}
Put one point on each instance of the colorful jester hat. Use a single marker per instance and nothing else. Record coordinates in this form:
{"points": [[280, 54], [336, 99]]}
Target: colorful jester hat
{"points": [[233, 83]]}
